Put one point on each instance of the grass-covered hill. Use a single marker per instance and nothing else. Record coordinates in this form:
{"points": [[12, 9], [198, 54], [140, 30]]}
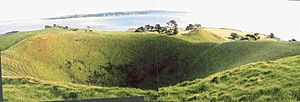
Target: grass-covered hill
{"points": [[100, 58], [8, 40], [124, 59], [260, 81], [203, 35], [233, 54], [269, 81], [142, 60], [226, 32]]}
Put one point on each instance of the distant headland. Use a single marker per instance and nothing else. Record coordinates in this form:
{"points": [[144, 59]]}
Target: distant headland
{"points": [[110, 14]]}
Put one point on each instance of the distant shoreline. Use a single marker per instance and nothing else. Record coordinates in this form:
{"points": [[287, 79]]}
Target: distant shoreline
{"points": [[112, 14]]}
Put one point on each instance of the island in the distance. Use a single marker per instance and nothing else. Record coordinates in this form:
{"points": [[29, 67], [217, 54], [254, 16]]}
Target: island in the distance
{"points": [[109, 14]]}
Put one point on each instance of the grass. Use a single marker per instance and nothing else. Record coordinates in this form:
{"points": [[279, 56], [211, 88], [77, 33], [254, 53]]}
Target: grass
{"points": [[273, 81], [202, 35], [260, 81], [131, 59], [124, 59], [226, 32], [79, 57], [6, 41], [232, 54], [30, 89]]}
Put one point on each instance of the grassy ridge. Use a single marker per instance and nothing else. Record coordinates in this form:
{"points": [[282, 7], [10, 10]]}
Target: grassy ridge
{"points": [[7, 41], [261, 81], [202, 35], [232, 54]]}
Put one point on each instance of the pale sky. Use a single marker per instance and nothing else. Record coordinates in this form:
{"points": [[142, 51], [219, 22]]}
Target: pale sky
{"points": [[280, 16]]}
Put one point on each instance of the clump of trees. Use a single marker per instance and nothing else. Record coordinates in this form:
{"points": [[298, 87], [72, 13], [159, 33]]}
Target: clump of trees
{"points": [[293, 40], [234, 36], [146, 28], [252, 36], [249, 37], [140, 29], [170, 29], [193, 26], [62, 27]]}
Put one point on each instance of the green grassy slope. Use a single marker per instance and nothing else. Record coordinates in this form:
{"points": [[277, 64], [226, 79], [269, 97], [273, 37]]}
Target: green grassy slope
{"points": [[7, 41], [33, 90], [232, 54], [202, 35], [101, 58], [226, 32], [125, 59], [131, 59], [261, 81], [272, 81]]}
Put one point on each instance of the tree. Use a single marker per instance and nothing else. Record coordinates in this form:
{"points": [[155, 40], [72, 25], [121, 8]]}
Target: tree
{"points": [[66, 27], [158, 28], [189, 27], [197, 25], [271, 35], [164, 30], [147, 28], [234, 36], [152, 29], [293, 40], [244, 38], [252, 37], [140, 29], [256, 34], [47, 26], [172, 27]]}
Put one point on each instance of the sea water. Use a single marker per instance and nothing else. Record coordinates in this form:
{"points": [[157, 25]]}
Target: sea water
{"points": [[116, 23]]}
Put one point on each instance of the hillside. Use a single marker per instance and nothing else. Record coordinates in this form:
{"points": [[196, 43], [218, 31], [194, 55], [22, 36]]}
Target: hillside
{"points": [[134, 60], [7, 41], [125, 59], [80, 57], [20, 89], [226, 32], [272, 81], [202, 35], [232, 54], [260, 81]]}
